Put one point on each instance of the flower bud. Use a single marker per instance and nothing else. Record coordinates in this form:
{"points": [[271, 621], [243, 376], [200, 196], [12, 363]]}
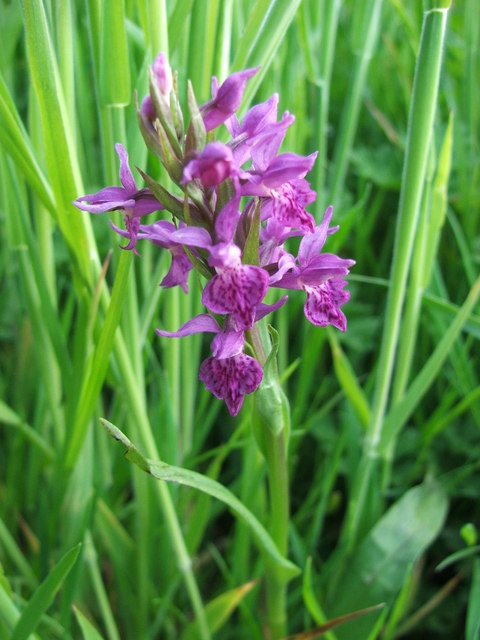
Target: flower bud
{"points": [[162, 74], [212, 166]]}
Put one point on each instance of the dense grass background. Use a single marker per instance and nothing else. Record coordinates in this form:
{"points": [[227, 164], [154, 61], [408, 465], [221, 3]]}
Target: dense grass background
{"points": [[371, 518]]}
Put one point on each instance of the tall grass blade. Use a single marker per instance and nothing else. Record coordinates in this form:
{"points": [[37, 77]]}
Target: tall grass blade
{"points": [[43, 596], [115, 88], [61, 160], [98, 364]]}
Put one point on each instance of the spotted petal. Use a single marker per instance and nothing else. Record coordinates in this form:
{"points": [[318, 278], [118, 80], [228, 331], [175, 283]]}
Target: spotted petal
{"points": [[237, 290], [230, 379], [322, 306]]}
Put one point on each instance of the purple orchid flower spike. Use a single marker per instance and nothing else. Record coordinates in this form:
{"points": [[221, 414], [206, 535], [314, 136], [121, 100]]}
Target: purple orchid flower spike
{"points": [[133, 202], [226, 98]]}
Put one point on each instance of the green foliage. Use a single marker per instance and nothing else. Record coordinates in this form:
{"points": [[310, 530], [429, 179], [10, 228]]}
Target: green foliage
{"points": [[381, 439]]}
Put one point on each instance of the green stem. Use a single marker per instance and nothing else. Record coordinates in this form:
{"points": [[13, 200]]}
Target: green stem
{"points": [[271, 426], [276, 587]]}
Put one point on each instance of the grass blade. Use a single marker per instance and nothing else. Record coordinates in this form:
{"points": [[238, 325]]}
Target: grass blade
{"points": [[43, 596], [61, 161], [98, 365]]}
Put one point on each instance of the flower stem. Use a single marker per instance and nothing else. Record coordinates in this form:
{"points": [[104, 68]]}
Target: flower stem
{"points": [[271, 427], [279, 513]]}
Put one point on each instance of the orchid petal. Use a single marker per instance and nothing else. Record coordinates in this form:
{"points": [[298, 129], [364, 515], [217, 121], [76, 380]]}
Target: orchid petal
{"points": [[312, 243], [227, 344], [263, 310], [287, 166], [126, 176], [203, 323], [192, 237], [230, 379], [237, 291], [322, 306]]}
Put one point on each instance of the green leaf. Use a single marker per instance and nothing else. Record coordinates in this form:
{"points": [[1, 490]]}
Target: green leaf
{"points": [[458, 556], [348, 381], [438, 209], [404, 409], [172, 204], [473, 611], [17, 144], [322, 630], [250, 251], [219, 610], [98, 364], [43, 596], [310, 600], [169, 473], [8, 416], [115, 88], [196, 133], [88, 630], [60, 157], [378, 566], [266, 27]]}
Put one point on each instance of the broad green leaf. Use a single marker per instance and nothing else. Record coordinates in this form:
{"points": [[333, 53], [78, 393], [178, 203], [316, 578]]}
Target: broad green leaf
{"points": [[219, 610], [378, 566], [88, 630], [169, 473], [473, 612], [43, 596]]}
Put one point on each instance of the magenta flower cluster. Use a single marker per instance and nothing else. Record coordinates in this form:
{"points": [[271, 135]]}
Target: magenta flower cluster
{"points": [[233, 208]]}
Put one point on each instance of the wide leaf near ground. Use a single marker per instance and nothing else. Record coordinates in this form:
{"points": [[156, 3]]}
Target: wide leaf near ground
{"points": [[379, 564]]}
